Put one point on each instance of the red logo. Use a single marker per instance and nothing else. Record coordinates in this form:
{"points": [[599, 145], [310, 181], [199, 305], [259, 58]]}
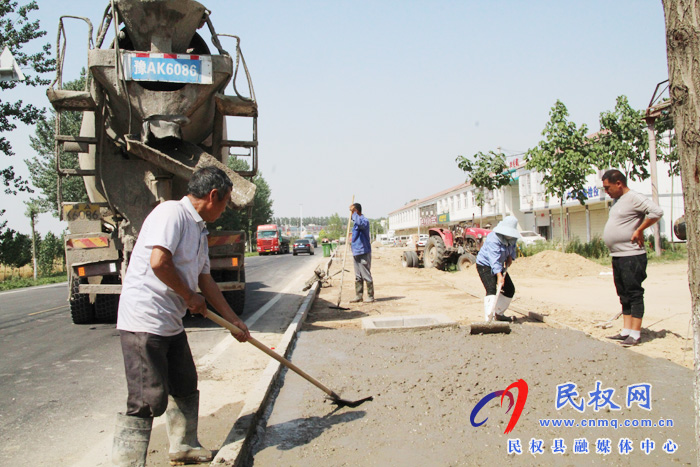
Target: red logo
{"points": [[521, 386]]}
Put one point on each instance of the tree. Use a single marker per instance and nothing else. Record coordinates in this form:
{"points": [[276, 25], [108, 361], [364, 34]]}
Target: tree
{"points": [[15, 249], [564, 158], [32, 212], [42, 166], [262, 206], [15, 32], [50, 249], [683, 48], [487, 172], [336, 227], [624, 141]]}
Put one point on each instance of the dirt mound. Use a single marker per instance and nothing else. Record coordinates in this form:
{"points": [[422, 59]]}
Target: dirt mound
{"points": [[555, 264]]}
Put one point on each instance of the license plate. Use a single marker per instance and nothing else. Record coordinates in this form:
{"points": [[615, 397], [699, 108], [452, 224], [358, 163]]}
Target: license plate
{"points": [[81, 212], [172, 68]]}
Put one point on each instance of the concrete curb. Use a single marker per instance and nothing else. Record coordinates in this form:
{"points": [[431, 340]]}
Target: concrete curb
{"points": [[237, 445]]}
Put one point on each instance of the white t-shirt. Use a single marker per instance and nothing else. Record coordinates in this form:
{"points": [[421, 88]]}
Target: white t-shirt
{"points": [[146, 303]]}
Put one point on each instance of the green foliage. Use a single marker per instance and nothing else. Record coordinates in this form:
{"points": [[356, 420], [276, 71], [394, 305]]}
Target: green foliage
{"points": [[594, 249], [15, 248], [623, 141], [50, 250], [20, 282], [564, 157], [336, 227], [16, 30], [487, 172], [42, 166], [262, 206]]}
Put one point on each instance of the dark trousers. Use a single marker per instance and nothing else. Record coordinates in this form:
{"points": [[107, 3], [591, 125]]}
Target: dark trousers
{"points": [[629, 272], [363, 264], [488, 278], [155, 367]]}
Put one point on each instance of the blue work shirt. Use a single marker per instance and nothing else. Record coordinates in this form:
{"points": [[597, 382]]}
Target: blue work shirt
{"points": [[360, 235], [493, 253]]}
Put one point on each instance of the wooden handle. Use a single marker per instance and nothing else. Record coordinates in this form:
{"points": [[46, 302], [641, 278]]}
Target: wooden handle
{"points": [[345, 255], [233, 328]]}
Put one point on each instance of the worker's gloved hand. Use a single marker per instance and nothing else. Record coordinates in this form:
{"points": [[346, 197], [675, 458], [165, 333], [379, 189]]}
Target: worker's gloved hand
{"points": [[197, 305]]}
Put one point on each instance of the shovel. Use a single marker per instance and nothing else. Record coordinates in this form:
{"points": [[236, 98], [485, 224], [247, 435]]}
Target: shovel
{"points": [[334, 398], [345, 255]]}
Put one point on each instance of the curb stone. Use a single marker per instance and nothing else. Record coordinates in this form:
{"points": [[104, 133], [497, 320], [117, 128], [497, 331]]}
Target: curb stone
{"points": [[237, 445]]}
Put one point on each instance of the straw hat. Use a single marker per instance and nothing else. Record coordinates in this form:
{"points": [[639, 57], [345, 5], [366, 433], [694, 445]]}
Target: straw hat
{"points": [[508, 227]]}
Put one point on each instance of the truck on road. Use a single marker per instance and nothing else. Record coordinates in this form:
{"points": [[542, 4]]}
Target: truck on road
{"points": [[271, 241], [154, 110]]}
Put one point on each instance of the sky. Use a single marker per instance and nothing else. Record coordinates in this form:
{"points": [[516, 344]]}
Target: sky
{"points": [[375, 99]]}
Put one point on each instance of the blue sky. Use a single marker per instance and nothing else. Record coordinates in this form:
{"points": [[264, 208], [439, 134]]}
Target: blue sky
{"points": [[377, 98]]}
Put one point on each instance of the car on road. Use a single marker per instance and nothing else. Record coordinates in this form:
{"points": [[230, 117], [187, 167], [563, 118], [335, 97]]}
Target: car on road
{"points": [[303, 245], [529, 237]]}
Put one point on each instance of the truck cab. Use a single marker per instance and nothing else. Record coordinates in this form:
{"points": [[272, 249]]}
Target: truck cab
{"points": [[271, 241]]}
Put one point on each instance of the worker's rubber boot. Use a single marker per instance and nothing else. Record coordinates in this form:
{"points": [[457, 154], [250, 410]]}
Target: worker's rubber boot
{"points": [[501, 306], [358, 292], [488, 307], [370, 292], [181, 424], [130, 445]]}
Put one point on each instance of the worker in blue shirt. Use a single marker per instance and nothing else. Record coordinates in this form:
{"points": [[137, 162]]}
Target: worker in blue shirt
{"points": [[495, 256], [361, 253]]}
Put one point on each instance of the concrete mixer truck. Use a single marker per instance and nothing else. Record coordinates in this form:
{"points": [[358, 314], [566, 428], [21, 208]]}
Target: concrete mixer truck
{"points": [[154, 109]]}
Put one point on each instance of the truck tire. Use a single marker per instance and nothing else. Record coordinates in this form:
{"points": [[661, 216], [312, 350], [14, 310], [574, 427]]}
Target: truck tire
{"points": [[434, 255], [107, 305], [465, 261], [234, 298], [81, 310]]}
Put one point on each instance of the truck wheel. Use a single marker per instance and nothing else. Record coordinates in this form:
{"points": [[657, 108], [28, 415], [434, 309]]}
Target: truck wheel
{"points": [[107, 305], [434, 255], [465, 261], [81, 310], [235, 298]]}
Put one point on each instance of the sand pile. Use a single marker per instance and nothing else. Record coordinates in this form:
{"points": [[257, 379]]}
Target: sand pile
{"points": [[553, 264]]}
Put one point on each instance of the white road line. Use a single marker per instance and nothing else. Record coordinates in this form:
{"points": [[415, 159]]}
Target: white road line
{"points": [[24, 289], [45, 311]]}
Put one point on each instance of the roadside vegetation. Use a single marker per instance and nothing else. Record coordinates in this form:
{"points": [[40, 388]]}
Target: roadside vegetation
{"points": [[596, 250]]}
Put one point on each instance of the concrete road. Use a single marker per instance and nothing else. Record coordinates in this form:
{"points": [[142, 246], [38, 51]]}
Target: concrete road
{"points": [[61, 384]]}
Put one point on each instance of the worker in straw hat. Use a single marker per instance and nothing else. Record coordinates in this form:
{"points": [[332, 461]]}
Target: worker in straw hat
{"points": [[495, 256]]}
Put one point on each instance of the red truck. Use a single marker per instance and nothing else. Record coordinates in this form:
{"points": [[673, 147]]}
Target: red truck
{"points": [[271, 240]]}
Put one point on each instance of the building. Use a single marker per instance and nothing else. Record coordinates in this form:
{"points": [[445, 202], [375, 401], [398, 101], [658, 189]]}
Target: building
{"points": [[525, 199]]}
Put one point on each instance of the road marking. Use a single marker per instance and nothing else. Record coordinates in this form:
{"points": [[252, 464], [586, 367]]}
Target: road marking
{"points": [[45, 311]]}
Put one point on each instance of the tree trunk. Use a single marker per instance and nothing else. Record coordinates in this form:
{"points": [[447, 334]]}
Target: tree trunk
{"points": [[33, 221], [561, 224], [683, 47]]}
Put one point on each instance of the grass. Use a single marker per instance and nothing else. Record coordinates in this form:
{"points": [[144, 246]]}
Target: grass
{"points": [[16, 282]]}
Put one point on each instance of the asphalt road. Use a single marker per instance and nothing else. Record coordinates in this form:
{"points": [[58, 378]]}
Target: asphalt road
{"points": [[57, 379]]}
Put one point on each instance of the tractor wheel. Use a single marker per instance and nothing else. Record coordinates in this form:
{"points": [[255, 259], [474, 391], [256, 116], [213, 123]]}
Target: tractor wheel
{"points": [[407, 260], [81, 310], [465, 261], [434, 255], [107, 305], [415, 262]]}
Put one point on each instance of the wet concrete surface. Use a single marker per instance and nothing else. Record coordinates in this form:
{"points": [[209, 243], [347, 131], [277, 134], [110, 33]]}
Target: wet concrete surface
{"points": [[426, 385]]}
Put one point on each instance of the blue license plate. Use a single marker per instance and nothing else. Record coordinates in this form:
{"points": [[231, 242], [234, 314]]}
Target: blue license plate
{"points": [[172, 68]]}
